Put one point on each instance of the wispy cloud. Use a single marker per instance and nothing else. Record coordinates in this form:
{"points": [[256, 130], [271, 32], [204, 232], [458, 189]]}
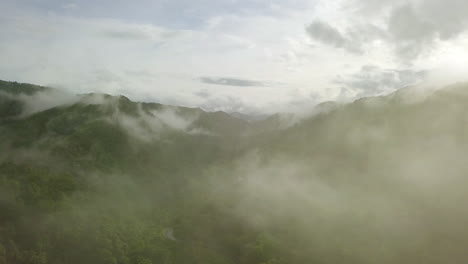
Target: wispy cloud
{"points": [[371, 80], [270, 47], [230, 81], [411, 28]]}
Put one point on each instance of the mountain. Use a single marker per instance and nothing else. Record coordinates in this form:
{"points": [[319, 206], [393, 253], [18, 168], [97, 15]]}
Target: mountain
{"points": [[95, 178], [249, 117]]}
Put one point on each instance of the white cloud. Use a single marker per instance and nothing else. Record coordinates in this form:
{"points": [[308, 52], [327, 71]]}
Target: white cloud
{"points": [[147, 62], [412, 28], [286, 49], [42, 100], [371, 81], [69, 6]]}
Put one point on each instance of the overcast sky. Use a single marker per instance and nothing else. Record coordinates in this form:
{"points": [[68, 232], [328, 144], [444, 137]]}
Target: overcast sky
{"points": [[234, 55]]}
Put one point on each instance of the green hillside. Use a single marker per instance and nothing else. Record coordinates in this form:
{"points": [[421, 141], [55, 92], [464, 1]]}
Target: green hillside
{"points": [[95, 178]]}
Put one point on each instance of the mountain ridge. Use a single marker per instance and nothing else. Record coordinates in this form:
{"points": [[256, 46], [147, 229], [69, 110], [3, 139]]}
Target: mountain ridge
{"points": [[101, 179]]}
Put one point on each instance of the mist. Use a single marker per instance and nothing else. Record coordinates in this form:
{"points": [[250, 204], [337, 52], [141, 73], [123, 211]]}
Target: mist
{"points": [[380, 179], [233, 132]]}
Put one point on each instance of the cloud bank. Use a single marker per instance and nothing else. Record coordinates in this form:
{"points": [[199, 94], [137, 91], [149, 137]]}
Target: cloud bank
{"points": [[300, 47]]}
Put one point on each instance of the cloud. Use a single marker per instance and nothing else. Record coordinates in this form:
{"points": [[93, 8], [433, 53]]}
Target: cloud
{"points": [[365, 180], [372, 80], [137, 32], [176, 14], [42, 100], [117, 57], [230, 81], [70, 6], [417, 27], [327, 34], [411, 28], [353, 39], [228, 104], [136, 35], [263, 45], [410, 33], [149, 123], [203, 93]]}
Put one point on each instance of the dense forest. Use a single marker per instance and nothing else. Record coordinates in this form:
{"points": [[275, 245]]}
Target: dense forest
{"points": [[95, 178]]}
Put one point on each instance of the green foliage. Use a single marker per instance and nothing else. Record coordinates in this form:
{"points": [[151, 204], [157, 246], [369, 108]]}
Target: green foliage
{"points": [[9, 107], [36, 186], [16, 88], [80, 185], [70, 203]]}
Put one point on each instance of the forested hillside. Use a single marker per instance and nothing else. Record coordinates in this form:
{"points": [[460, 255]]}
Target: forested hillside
{"points": [[95, 178]]}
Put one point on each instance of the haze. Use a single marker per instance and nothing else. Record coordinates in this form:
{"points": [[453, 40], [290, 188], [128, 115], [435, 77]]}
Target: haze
{"points": [[233, 132], [249, 56]]}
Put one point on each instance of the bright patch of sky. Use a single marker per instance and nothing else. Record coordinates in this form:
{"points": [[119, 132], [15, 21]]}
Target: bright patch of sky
{"points": [[234, 55]]}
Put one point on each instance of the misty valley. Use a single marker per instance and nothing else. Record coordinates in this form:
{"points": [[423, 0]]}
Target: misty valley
{"points": [[96, 178]]}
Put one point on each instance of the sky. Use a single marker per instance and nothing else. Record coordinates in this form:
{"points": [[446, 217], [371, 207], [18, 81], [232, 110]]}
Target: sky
{"points": [[249, 56]]}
